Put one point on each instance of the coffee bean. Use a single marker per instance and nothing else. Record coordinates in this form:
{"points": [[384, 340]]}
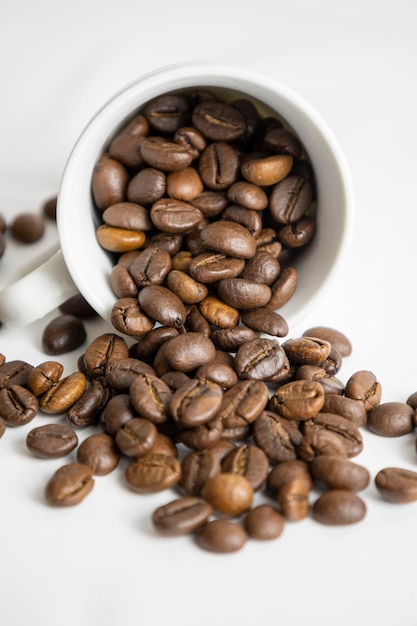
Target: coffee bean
{"points": [[164, 155], [185, 287], [18, 405], [210, 203], [27, 227], [196, 402], [69, 485], [108, 182], [265, 320], [51, 441], [150, 397], [290, 199], [125, 146], [190, 138], [264, 522], [146, 186], [2, 427], [220, 373], [278, 437], [242, 293], [181, 516], [222, 536], [396, 484], [245, 400], [175, 216], [77, 305], [298, 399], [248, 195], [391, 419], [229, 238], [163, 306], [195, 322], [248, 218], [337, 339], [229, 494], [196, 468], [283, 288], [230, 339], [262, 268], [293, 499], [261, 359], [129, 317], [188, 351], [87, 410], [287, 471], [352, 410], [63, 334], [342, 427], [184, 185], [283, 141], [61, 397], [116, 239], [307, 350], [150, 342], [44, 376], [336, 472], [202, 437], [48, 208], [100, 453], [267, 171], [364, 386], [249, 461], [127, 215], [117, 411], [15, 372], [219, 166], [338, 507], [152, 473], [121, 373], [218, 121], [331, 384], [168, 112], [321, 441]]}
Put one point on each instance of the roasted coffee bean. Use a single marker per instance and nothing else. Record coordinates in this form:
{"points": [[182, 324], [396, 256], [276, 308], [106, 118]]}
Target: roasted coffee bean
{"points": [[210, 267], [336, 472], [165, 155], [117, 411], [125, 146], [283, 288], [196, 468], [338, 507], [264, 522], [249, 218], [412, 400], [86, 411], [150, 267], [185, 287], [333, 363], [352, 410], [190, 138], [168, 112], [181, 516], [181, 261], [51, 441], [164, 445], [152, 473], [242, 293], [129, 318], [262, 268], [222, 536], [175, 379], [18, 405], [297, 234], [229, 238], [321, 441], [219, 166], [266, 171], [210, 203], [48, 208], [188, 351], [218, 121], [101, 350], [27, 227], [166, 241], [229, 494], [14, 372], [147, 186], [69, 485], [261, 359], [121, 373], [218, 313], [195, 322], [116, 239], [78, 305], [290, 199], [391, 419], [396, 484], [337, 339], [184, 185], [204, 436], [44, 376], [100, 453], [230, 339], [196, 402], [331, 384], [245, 400], [265, 320], [344, 428], [278, 437], [307, 350], [293, 499], [128, 215], [109, 182], [283, 141], [249, 461], [175, 216], [63, 334], [298, 399], [248, 195], [163, 306], [65, 393], [150, 342], [220, 373], [287, 471], [364, 386], [122, 283], [150, 397]]}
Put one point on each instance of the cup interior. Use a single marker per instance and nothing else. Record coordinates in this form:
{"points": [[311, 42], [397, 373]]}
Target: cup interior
{"points": [[90, 265]]}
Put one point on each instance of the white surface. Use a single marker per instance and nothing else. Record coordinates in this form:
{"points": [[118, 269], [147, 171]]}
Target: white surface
{"points": [[100, 563]]}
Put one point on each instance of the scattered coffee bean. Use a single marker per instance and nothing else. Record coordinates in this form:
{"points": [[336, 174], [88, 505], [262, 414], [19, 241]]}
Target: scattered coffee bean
{"points": [[397, 485], [338, 507], [63, 334], [264, 522], [69, 485], [221, 535], [51, 441], [27, 227], [181, 516], [100, 453]]}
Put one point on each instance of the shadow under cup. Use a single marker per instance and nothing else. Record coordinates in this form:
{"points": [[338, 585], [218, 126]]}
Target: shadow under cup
{"points": [[90, 265]]}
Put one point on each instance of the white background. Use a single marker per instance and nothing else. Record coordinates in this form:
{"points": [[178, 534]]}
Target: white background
{"points": [[101, 563]]}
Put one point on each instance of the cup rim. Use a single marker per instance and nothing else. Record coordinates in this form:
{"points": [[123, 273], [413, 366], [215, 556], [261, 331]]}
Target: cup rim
{"points": [[120, 107]]}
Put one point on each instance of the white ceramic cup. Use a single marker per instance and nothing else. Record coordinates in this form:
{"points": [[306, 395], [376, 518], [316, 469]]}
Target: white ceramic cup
{"points": [[82, 265]]}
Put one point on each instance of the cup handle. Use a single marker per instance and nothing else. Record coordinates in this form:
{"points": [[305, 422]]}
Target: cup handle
{"points": [[37, 293]]}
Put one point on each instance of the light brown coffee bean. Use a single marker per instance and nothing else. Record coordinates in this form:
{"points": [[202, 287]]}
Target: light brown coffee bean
{"points": [[338, 339], [63, 394], [185, 287], [221, 536], [339, 507], [364, 386], [44, 376], [218, 313], [116, 239], [264, 522], [391, 419], [268, 170], [293, 499], [229, 494], [181, 516], [109, 182], [152, 473], [336, 472], [298, 400], [397, 485], [69, 485]]}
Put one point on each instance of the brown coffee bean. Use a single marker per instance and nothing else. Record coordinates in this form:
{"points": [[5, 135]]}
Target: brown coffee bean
{"points": [[196, 468], [202, 437], [249, 218], [336, 472], [307, 350], [264, 522], [184, 185], [262, 268], [287, 471], [125, 146], [242, 293], [2, 427], [283, 141], [298, 399], [188, 351], [44, 376], [69, 485], [230, 339], [165, 155], [321, 441], [348, 432], [278, 437], [108, 182], [249, 461], [61, 397], [100, 453], [338, 507], [220, 373], [261, 359], [164, 445], [221, 536], [229, 494], [396, 484], [150, 397], [136, 437], [192, 139], [175, 216], [18, 405], [27, 227], [195, 322], [48, 208], [219, 166], [185, 287], [245, 400], [129, 318], [51, 441], [181, 516], [391, 419], [162, 305], [352, 410], [218, 313], [152, 473], [127, 215], [337, 339], [265, 320], [248, 195], [229, 238], [166, 113], [147, 186], [266, 171], [218, 121], [331, 384], [364, 386], [116, 239], [150, 342], [196, 402], [297, 234], [290, 199], [63, 334], [293, 499], [121, 373], [117, 411], [78, 305], [283, 288], [210, 267], [86, 411], [14, 372]]}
